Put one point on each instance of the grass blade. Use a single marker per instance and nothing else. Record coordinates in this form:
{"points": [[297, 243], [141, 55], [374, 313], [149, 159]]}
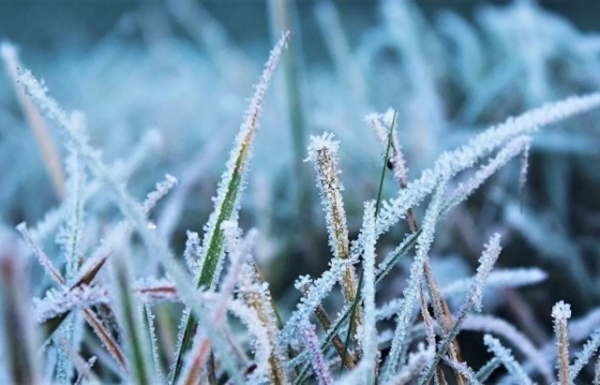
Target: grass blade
{"points": [[227, 201], [377, 207], [34, 118], [129, 313], [17, 327]]}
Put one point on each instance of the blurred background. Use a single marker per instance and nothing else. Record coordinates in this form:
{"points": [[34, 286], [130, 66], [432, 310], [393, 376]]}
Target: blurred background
{"points": [[164, 86]]}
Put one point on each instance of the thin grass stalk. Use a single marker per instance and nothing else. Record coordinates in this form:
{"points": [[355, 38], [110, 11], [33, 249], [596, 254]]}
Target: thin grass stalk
{"points": [[323, 152], [430, 332], [261, 279], [199, 354], [107, 340], [376, 213], [238, 251], [86, 376], [40, 254], [398, 165], [84, 369], [585, 355]]}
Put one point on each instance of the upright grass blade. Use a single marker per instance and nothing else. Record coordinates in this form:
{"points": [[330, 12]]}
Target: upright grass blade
{"points": [[227, 201], [377, 207], [323, 151], [282, 19], [130, 313]]}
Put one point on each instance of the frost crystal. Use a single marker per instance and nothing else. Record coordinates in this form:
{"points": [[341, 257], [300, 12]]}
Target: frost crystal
{"points": [[192, 251], [162, 189], [486, 263], [561, 311]]}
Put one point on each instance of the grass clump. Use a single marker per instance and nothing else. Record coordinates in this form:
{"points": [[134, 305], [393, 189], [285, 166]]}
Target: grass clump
{"points": [[113, 289]]}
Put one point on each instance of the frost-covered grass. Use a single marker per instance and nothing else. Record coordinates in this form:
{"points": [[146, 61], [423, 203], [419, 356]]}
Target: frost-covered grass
{"points": [[433, 258]]}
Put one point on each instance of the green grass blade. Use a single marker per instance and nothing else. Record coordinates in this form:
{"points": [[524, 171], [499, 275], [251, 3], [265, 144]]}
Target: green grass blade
{"points": [[377, 207], [227, 202], [130, 317], [283, 17]]}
